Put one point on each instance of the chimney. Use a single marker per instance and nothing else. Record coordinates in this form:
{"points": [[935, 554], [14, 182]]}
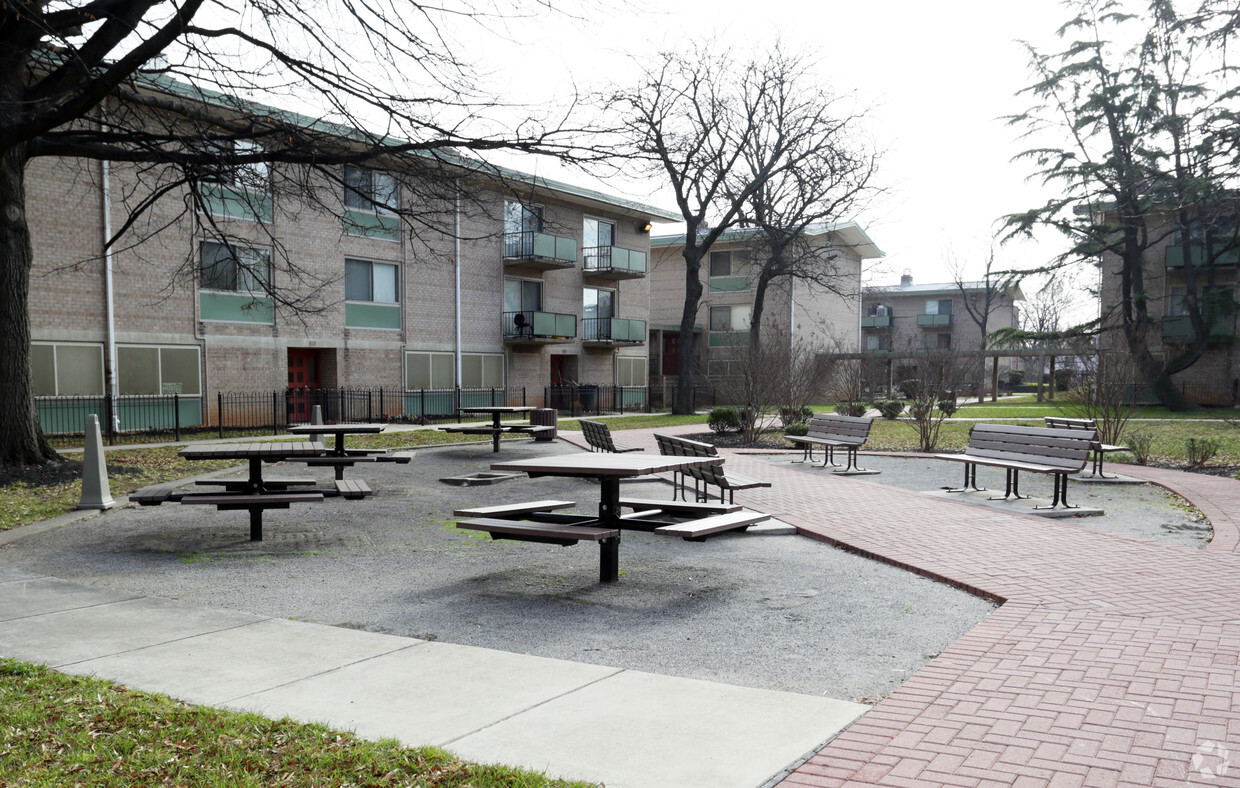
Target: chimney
{"points": [[906, 278]]}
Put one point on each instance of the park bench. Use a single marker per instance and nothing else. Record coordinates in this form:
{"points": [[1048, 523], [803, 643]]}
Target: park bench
{"points": [[705, 475], [1100, 449], [1035, 449], [832, 431], [698, 530], [353, 488], [598, 436]]}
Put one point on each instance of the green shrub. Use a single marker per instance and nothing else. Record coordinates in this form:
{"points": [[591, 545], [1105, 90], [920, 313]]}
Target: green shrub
{"points": [[948, 406], [800, 428], [724, 420], [1140, 443], [851, 408], [1015, 377], [911, 388], [1200, 451], [889, 408], [790, 415]]}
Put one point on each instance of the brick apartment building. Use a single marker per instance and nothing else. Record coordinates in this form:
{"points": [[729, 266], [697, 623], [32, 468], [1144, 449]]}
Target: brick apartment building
{"points": [[528, 283], [906, 317], [793, 309]]}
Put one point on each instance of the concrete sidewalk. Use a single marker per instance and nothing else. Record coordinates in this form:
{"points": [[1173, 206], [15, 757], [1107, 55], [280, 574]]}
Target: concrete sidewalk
{"points": [[621, 727]]}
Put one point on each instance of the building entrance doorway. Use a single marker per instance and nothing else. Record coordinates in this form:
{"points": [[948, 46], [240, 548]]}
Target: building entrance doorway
{"points": [[303, 382]]}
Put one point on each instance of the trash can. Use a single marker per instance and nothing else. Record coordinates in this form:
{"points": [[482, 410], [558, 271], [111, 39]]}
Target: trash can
{"points": [[589, 398], [545, 417]]}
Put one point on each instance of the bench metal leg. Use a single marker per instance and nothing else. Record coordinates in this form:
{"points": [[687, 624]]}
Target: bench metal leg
{"points": [[609, 560], [970, 480], [1061, 493], [829, 457], [1011, 487], [256, 524], [1097, 473], [807, 453]]}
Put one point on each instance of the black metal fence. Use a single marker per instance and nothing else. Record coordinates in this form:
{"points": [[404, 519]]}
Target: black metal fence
{"points": [[585, 399], [664, 397], [155, 415]]}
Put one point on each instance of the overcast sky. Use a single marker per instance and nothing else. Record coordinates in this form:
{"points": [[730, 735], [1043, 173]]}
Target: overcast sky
{"points": [[938, 76]]}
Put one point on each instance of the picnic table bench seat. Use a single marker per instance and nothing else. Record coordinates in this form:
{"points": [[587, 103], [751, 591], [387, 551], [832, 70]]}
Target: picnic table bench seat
{"points": [[353, 489], [255, 504], [241, 485], [706, 475], [401, 457], [555, 533], [832, 431], [507, 510], [689, 508], [1058, 452], [698, 530], [598, 436], [155, 494], [1100, 449]]}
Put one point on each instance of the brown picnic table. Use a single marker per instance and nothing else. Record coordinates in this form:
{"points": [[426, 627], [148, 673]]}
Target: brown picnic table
{"points": [[339, 457], [497, 428]]}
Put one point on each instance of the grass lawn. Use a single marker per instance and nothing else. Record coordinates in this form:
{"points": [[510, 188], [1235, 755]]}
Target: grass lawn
{"points": [[57, 729]]}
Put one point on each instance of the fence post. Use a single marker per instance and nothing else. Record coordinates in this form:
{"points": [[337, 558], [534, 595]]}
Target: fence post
{"points": [[617, 395], [456, 396], [176, 415], [523, 396], [109, 407], [219, 412], [370, 411], [275, 412]]}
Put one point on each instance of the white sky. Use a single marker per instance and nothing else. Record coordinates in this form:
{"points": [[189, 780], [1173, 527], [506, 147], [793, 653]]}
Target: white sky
{"points": [[938, 76]]}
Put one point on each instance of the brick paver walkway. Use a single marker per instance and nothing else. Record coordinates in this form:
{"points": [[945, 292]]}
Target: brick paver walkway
{"points": [[1113, 660]]}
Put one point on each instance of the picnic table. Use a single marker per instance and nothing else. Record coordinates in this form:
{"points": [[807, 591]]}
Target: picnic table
{"points": [[550, 526], [254, 494], [497, 429], [340, 457]]}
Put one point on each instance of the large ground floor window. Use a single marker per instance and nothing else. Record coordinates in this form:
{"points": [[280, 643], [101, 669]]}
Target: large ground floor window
{"points": [[631, 371], [148, 369], [62, 369], [434, 370]]}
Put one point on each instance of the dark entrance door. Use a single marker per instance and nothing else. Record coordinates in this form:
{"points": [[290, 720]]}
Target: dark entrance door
{"points": [[671, 354], [303, 382]]}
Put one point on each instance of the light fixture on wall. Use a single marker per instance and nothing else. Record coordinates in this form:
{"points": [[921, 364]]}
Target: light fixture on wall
{"points": [[643, 227]]}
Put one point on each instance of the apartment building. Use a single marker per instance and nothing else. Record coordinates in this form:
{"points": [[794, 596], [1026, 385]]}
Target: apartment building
{"points": [[793, 310], [526, 283], [904, 318], [1215, 378]]}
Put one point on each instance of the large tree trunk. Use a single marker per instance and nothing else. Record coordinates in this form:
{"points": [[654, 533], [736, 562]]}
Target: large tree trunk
{"points": [[688, 343], [21, 440], [1153, 369], [755, 315]]}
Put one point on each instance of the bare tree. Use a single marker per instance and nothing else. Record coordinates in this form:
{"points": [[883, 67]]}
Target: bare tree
{"points": [[931, 397], [1105, 392], [981, 299], [719, 130], [168, 91], [780, 377]]}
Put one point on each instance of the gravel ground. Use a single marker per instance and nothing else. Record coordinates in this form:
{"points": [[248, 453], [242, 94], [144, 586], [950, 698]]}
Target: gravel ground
{"points": [[1145, 510], [777, 612]]}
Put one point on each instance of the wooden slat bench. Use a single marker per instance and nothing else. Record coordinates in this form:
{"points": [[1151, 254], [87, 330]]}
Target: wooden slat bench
{"points": [[832, 431], [255, 504], [688, 508], [514, 510], [1100, 449], [401, 457], [243, 485], [728, 481], [1015, 449], [353, 488], [553, 533], [155, 494], [598, 436], [333, 461], [698, 530]]}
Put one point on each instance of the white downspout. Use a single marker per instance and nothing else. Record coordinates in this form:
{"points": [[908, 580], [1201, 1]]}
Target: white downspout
{"points": [[107, 282], [457, 271]]}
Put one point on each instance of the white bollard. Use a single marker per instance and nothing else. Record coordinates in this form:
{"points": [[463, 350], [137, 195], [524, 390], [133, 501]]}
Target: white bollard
{"points": [[95, 492], [317, 418]]}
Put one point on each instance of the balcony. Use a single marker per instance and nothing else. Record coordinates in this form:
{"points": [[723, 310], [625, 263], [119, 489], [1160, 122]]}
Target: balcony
{"points": [[1180, 327], [934, 321], [539, 250], [876, 321], [1175, 257], [613, 331], [539, 327], [614, 262]]}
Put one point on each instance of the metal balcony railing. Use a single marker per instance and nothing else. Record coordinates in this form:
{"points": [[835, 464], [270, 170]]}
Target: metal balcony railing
{"points": [[876, 321], [614, 259], [529, 324], [531, 245], [613, 329], [934, 321]]}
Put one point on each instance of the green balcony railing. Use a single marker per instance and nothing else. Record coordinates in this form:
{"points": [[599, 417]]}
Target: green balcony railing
{"points": [[729, 284], [934, 321], [876, 321], [1181, 327], [530, 245], [613, 329], [728, 338], [1175, 256], [605, 259], [529, 324]]}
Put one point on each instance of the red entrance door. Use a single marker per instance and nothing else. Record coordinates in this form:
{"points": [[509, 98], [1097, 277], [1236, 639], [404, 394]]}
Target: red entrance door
{"points": [[671, 354], [303, 380]]}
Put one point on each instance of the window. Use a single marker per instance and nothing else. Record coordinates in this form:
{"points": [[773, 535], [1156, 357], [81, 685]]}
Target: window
{"points": [[719, 368], [429, 371], [631, 371], [939, 306], [482, 370], [365, 280], [877, 310], [370, 190], [228, 169], [938, 342], [520, 218], [729, 318], [522, 295], [877, 342], [1214, 301], [157, 370], [729, 263], [241, 269], [599, 303], [66, 370], [598, 233]]}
